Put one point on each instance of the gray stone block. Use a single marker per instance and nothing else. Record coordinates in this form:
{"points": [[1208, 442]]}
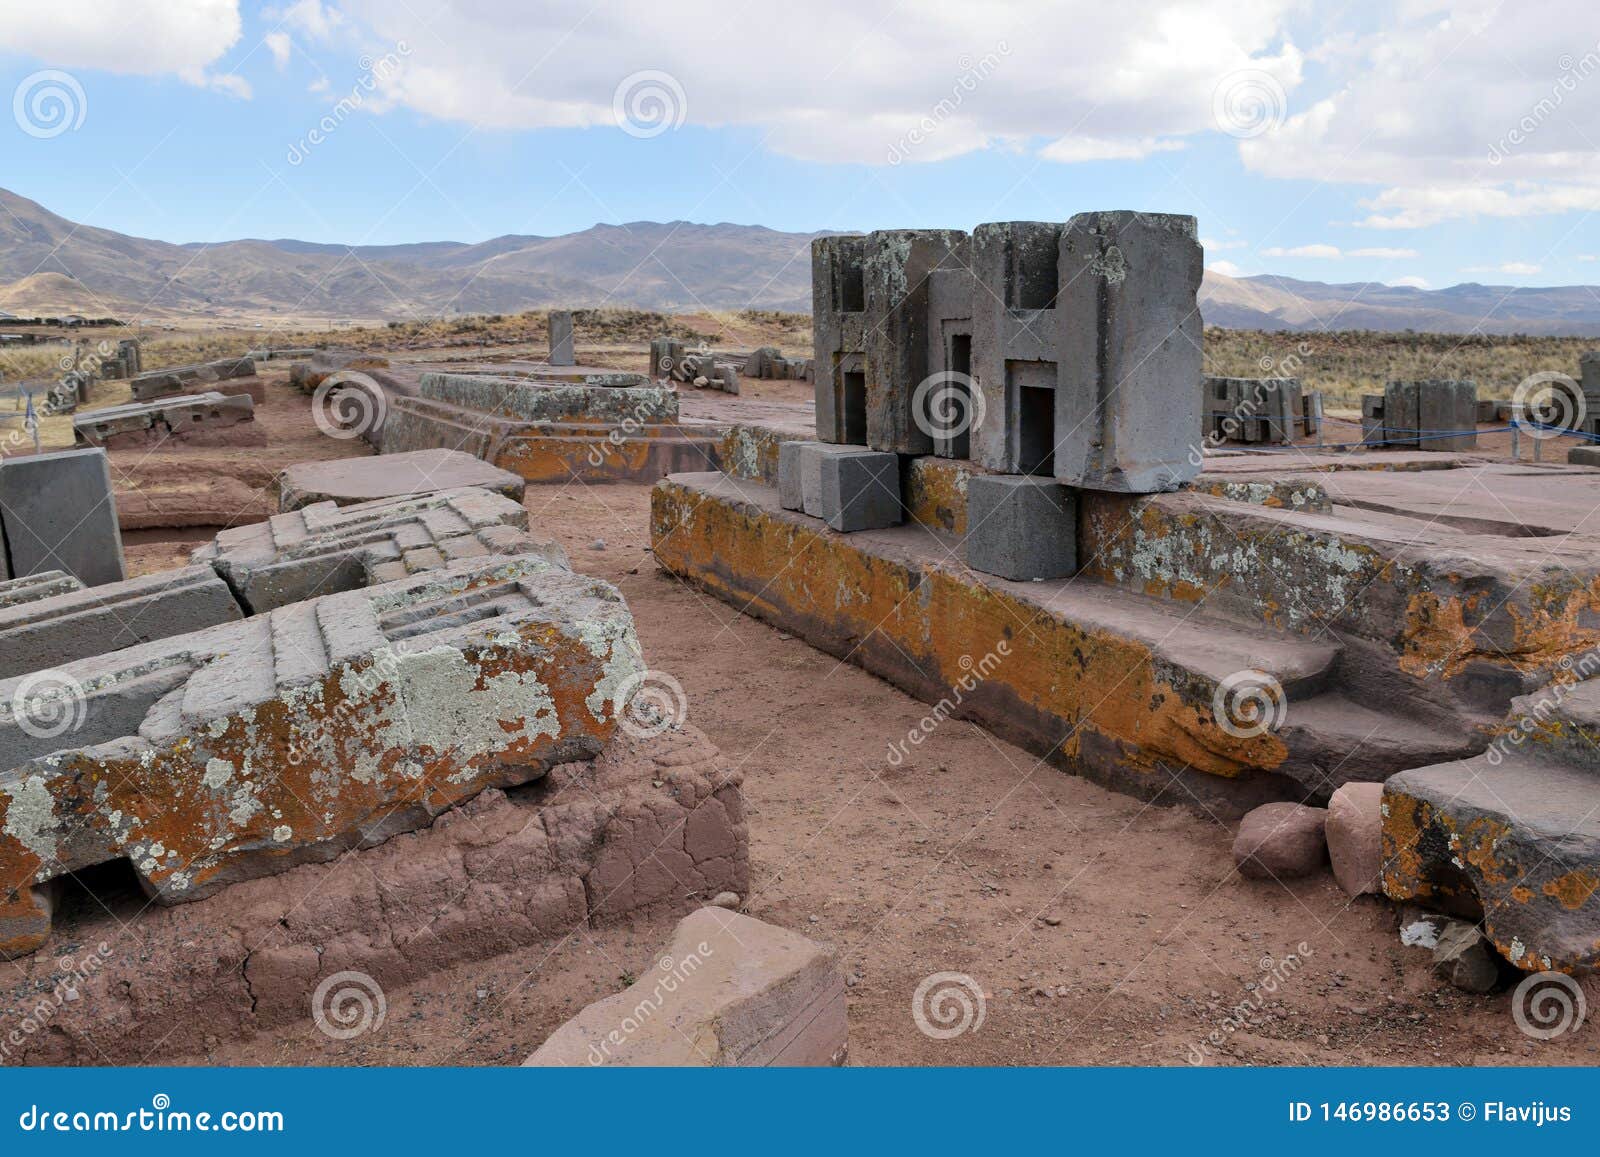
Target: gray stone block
{"points": [[812, 456], [1126, 407], [790, 494], [44, 585], [1445, 407], [1021, 527], [59, 514], [71, 624], [561, 345], [861, 491]]}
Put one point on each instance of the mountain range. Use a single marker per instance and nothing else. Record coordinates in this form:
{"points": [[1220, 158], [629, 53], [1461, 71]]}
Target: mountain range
{"points": [[50, 264]]}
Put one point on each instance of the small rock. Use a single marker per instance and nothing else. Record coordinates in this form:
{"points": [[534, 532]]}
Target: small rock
{"points": [[1280, 841], [1465, 958], [728, 900], [1355, 837], [1420, 929], [1051, 920], [598, 544], [852, 980]]}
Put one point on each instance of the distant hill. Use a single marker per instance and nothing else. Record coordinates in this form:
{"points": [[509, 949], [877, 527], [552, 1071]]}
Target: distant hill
{"points": [[50, 264]]}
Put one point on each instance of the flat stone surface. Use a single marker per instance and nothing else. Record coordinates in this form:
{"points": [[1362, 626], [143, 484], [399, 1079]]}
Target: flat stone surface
{"points": [[731, 991], [1021, 527], [59, 514], [44, 585], [350, 480]]}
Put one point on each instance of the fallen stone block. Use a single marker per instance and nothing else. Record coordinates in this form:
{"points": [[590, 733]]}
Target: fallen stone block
{"points": [[1355, 837], [731, 991], [280, 354], [500, 874], [148, 387], [44, 585], [345, 481], [80, 622], [1584, 456], [860, 491], [58, 515], [246, 749], [1511, 834], [194, 418], [1280, 841], [324, 548], [1021, 527]]}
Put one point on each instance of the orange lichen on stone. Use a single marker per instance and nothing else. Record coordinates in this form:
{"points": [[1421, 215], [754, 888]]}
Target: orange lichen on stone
{"points": [[923, 624], [1572, 889]]}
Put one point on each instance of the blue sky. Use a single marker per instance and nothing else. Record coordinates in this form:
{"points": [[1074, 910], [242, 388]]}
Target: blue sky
{"points": [[1420, 142]]}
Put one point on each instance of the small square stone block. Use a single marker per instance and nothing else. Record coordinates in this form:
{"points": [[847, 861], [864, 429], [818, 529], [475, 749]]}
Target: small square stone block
{"points": [[1021, 527], [812, 455], [861, 491]]}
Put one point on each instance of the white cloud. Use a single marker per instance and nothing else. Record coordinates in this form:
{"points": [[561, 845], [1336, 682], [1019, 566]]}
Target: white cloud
{"points": [[1212, 245], [1453, 109], [1226, 268], [1383, 253], [1317, 251], [138, 37], [1410, 283], [1515, 268], [1075, 149], [279, 44], [1073, 81]]}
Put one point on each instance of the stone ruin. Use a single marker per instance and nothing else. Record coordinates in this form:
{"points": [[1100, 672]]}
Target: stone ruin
{"points": [[227, 376], [194, 419], [1253, 410], [1008, 511], [1423, 415], [312, 687]]}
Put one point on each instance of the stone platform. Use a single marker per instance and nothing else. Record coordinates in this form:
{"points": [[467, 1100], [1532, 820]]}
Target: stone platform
{"points": [[346, 481], [208, 419], [1394, 640]]}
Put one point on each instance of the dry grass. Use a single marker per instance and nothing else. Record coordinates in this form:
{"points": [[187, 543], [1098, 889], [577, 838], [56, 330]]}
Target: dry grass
{"points": [[1346, 364]]}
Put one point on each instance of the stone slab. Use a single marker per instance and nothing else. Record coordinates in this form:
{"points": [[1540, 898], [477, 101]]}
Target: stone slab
{"points": [[345, 481], [44, 585], [59, 514], [79, 623], [731, 991], [561, 348]]}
